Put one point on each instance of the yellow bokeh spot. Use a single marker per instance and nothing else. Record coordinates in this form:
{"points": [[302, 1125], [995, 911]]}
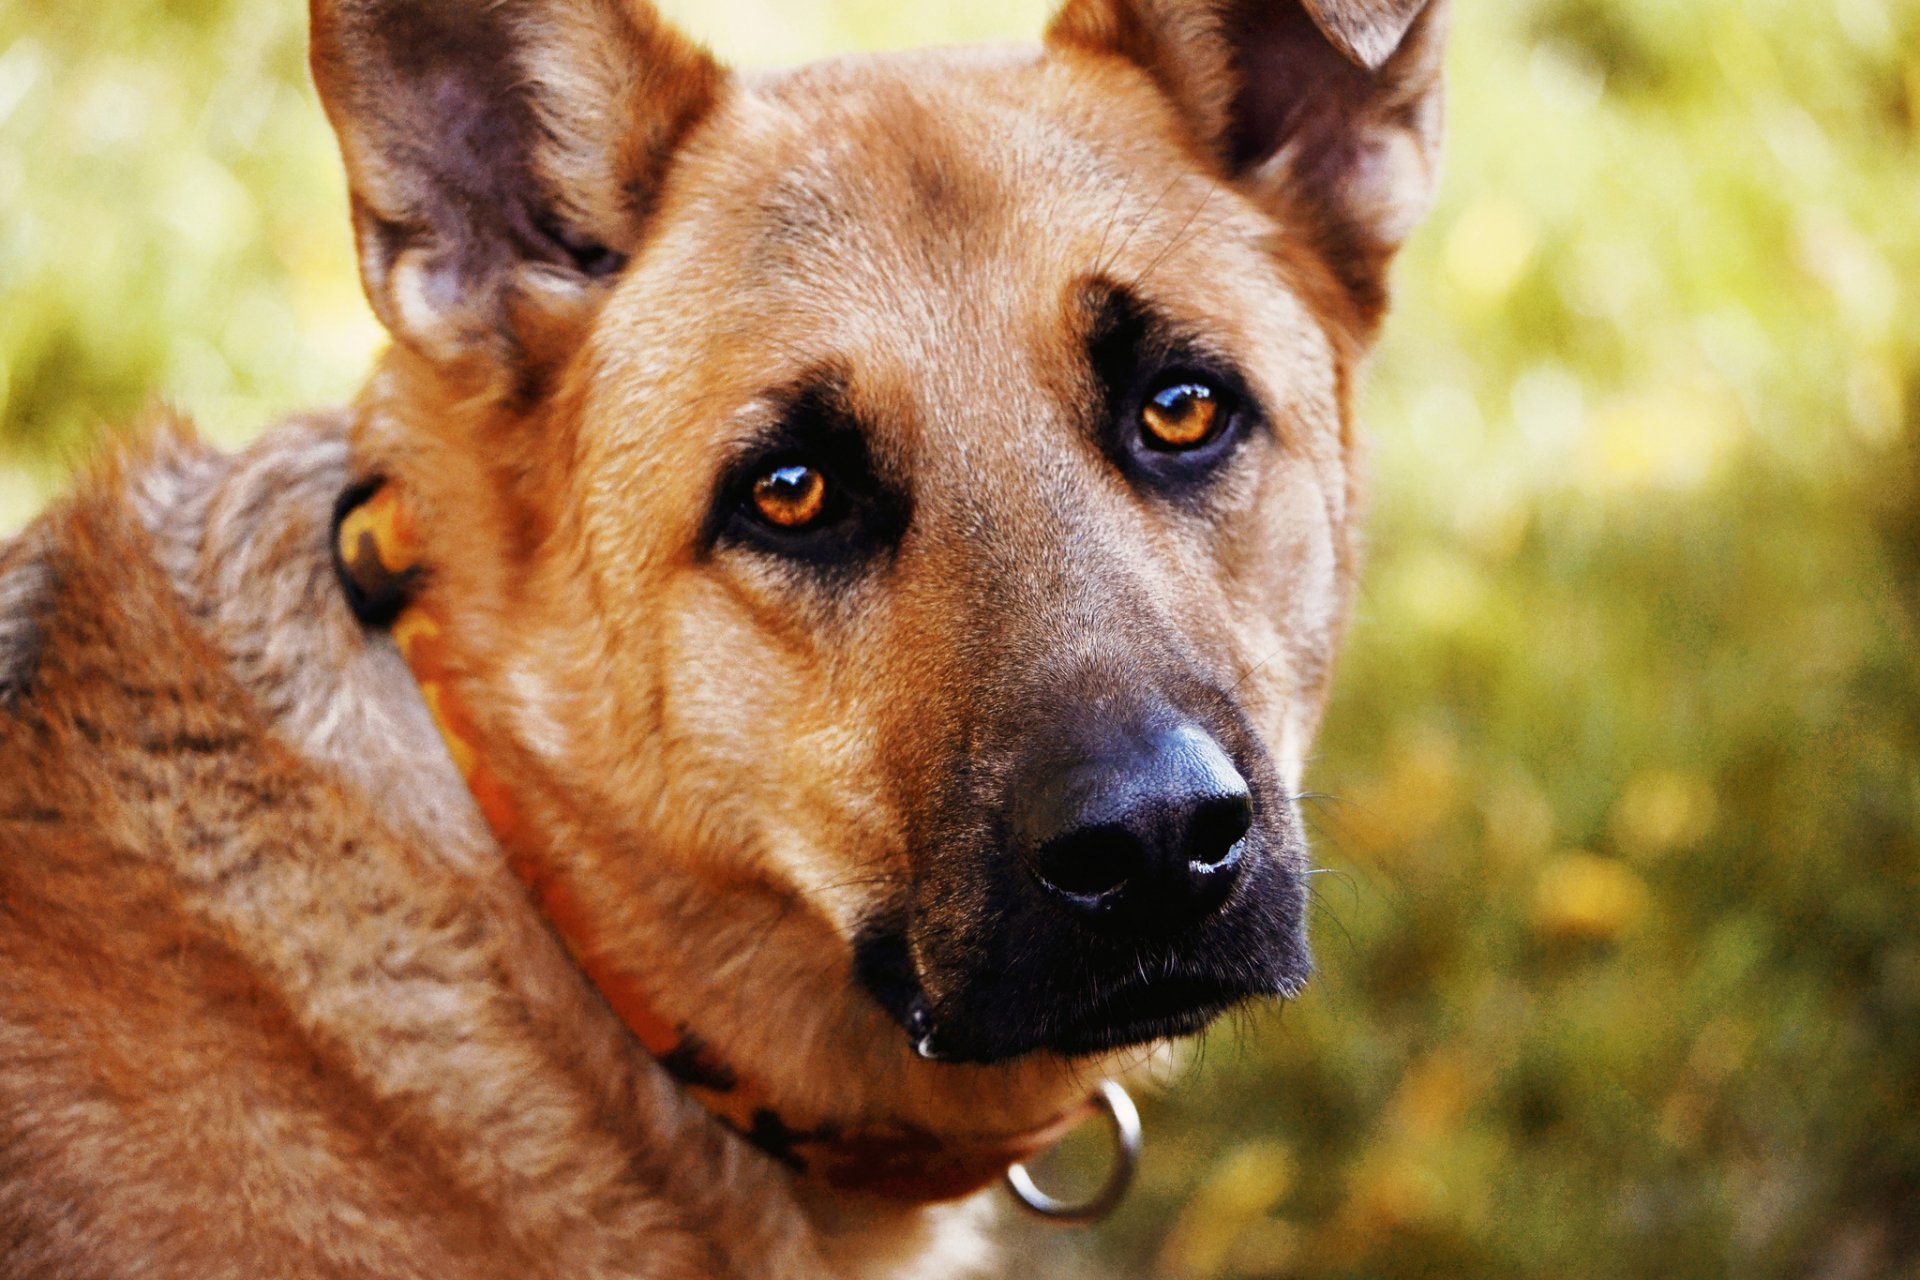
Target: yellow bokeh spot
{"points": [[1432, 1098], [1391, 813], [1443, 590], [1580, 896], [1243, 1187], [1667, 439], [1662, 810], [1394, 1191], [1490, 246], [1866, 286]]}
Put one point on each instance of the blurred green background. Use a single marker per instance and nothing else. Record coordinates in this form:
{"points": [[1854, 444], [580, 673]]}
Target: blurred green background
{"points": [[1620, 973]]}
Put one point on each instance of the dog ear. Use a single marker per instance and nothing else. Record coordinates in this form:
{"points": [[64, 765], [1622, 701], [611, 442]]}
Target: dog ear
{"points": [[1327, 111], [502, 157]]}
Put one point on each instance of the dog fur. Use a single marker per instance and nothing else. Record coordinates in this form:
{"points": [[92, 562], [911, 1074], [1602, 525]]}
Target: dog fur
{"points": [[270, 1000]]}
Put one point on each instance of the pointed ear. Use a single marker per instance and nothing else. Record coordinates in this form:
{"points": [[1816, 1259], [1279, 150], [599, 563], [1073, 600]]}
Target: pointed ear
{"points": [[502, 157], [1327, 111]]}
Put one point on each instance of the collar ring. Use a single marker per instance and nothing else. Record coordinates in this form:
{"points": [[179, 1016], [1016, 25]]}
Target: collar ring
{"points": [[1123, 1120]]}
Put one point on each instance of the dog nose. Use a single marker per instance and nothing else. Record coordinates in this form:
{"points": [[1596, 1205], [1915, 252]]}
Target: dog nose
{"points": [[1143, 836]]}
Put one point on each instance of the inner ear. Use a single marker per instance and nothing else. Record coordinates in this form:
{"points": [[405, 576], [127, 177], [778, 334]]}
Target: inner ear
{"points": [[1286, 78], [503, 156], [1326, 111], [1367, 33]]}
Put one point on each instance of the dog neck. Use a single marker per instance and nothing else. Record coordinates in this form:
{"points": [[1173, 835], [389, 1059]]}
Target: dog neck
{"points": [[377, 560]]}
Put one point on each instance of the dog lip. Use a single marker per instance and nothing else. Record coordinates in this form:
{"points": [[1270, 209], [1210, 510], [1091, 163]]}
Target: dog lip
{"points": [[1140, 1012], [883, 965], [1086, 1039], [1165, 1008], [1121, 998]]}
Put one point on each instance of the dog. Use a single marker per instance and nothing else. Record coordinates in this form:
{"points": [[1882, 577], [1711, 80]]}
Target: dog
{"points": [[799, 660]]}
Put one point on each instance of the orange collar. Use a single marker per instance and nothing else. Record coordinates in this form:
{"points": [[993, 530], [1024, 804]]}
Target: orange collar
{"points": [[376, 556]]}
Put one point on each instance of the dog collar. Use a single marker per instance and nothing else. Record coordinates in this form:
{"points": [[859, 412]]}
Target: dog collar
{"points": [[377, 559]]}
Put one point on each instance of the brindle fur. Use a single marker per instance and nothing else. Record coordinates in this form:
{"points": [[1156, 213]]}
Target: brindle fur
{"points": [[270, 1002]]}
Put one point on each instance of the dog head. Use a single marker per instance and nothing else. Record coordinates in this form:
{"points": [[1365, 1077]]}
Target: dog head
{"points": [[896, 516]]}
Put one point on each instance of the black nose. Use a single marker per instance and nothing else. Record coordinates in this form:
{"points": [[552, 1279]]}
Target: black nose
{"points": [[1143, 836]]}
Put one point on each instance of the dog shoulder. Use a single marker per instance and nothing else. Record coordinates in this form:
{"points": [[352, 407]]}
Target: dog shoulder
{"points": [[123, 701], [122, 736], [219, 958], [231, 555]]}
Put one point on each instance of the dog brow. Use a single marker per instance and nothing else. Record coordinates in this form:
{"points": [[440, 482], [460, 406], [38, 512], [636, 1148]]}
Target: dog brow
{"points": [[815, 416], [814, 407], [1121, 330], [1124, 334]]}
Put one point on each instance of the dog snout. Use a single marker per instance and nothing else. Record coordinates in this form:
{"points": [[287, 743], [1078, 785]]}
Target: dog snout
{"points": [[1139, 834]]}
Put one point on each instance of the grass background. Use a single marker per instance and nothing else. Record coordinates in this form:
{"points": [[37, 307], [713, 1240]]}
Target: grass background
{"points": [[1620, 974]]}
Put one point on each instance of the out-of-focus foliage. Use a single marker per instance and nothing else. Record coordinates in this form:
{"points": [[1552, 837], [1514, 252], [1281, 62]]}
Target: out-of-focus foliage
{"points": [[171, 225], [1621, 817]]}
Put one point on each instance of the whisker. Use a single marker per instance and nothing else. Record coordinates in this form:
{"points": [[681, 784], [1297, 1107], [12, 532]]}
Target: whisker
{"points": [[1178, 238], [1141, 221], [1254, 670]]}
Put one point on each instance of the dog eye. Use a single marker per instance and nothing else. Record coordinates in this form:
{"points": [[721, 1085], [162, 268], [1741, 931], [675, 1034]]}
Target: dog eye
{"points": [[791, 496], [1183, 413]]}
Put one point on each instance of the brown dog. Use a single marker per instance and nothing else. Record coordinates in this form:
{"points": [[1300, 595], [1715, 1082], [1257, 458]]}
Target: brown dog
{"points": [[798, 661]]}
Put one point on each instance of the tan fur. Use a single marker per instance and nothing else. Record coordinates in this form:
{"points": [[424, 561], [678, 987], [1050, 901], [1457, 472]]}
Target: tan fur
{"points": [[270, 1002]]}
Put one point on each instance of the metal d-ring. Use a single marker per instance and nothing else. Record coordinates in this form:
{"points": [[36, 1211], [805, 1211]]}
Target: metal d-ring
{"points": [[1124, 1119]]}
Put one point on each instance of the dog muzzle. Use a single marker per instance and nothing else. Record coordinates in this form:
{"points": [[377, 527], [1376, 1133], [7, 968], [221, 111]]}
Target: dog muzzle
{"points": [[377, 559]]}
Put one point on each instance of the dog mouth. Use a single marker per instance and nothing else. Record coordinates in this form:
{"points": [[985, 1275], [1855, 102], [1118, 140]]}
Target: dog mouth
{"points": [[1142, 1012], [1176, 1002], [1132, 894]]}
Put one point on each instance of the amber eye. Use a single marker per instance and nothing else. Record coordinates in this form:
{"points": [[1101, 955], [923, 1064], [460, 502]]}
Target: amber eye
{"points": [[1181, 414], [790, 497]]}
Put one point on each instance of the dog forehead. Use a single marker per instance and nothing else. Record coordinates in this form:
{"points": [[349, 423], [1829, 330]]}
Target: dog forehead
{"points": [[922, 225], [930, 168]]}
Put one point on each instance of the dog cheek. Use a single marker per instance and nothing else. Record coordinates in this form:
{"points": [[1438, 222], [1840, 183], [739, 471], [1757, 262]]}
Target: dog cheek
{"points": [[780, 767], [837, 836], [1290, 589]]}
